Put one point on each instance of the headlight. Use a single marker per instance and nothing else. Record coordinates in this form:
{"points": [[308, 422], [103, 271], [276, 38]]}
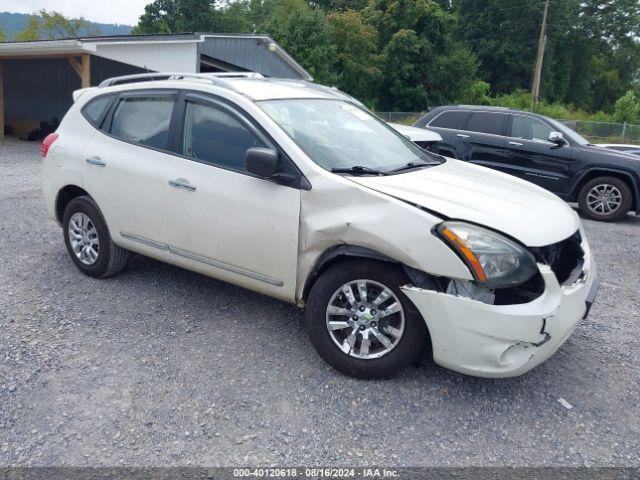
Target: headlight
{"points": [[494, 260]]}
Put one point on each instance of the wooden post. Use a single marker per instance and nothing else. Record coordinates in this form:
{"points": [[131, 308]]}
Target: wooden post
{"points": [[83, 69], [542, 42], [86, 70], [1, 102]]}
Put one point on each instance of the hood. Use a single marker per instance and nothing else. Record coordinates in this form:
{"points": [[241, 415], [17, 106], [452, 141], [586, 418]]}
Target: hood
{"points": [[416, 134], [601, 149], [463, 191]]}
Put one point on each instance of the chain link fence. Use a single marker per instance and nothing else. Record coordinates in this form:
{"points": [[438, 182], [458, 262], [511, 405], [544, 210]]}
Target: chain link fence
{"points": [[595, 132], [601, 132], [406, 118]]}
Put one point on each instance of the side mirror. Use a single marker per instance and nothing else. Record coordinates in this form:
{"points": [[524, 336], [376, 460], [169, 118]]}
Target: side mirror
{"points": [[262, 162], [557, 138]]}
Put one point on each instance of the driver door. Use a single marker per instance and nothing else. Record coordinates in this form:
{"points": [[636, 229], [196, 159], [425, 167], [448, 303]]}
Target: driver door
{"points": [[223, 221], [533, 157]]}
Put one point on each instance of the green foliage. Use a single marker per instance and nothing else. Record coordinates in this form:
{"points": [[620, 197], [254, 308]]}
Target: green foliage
{"points": [[411, 54], [3, 36], [176, 16], [357, 62], [51, 25], [476, 94], [627, 109], [339, 5], [306, 35]]}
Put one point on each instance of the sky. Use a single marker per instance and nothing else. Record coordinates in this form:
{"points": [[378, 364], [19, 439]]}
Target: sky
{"points": [[102, 11]]}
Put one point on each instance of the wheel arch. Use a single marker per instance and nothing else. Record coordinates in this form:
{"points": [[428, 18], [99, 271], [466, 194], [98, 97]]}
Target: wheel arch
{"points": [[335, 254], [606, 172], [338, 253], [65, 195]]}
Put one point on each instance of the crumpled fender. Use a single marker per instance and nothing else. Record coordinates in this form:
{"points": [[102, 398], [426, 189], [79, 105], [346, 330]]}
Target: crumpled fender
{"points": [[338, 211]]}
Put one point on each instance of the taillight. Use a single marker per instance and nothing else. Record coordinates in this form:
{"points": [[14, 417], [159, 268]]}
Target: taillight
{"points": [[47, 142]]}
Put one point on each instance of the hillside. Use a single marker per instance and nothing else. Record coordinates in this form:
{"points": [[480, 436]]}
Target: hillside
{"points": [[13, 23]]}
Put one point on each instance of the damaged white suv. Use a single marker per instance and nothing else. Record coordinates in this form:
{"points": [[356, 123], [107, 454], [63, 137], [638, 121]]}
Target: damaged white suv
{"points": [[296, 191]]}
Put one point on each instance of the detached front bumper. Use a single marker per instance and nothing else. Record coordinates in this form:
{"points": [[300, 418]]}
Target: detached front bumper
{"points": [[485, 340]]}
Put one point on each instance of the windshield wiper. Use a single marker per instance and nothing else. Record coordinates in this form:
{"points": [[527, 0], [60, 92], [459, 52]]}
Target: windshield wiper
{"points": [[358, 170], [411, 165]]}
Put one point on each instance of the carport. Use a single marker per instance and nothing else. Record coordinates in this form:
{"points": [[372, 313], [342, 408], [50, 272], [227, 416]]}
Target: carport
{"points": [[38, 78]]}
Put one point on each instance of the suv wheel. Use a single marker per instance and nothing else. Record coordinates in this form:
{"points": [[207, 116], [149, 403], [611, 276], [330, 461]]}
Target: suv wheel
{"points": [[361, 323], [605, 199], [88, 240]]}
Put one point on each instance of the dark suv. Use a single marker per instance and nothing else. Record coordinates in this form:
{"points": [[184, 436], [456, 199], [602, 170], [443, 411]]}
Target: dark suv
{"points": [[605, 183]]}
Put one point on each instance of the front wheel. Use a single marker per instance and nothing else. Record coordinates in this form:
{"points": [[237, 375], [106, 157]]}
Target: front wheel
{"points": [[605, 199], [361, 323]]}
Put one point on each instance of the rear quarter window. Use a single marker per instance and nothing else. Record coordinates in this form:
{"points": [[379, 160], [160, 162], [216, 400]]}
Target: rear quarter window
{"points": [[95, 110], [143, 120], [456, 120]]}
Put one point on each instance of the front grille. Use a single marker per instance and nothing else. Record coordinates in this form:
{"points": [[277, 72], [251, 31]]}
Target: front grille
{"points": [[565, 258]]}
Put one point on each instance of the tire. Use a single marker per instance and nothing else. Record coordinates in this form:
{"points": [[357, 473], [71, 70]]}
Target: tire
{"points": [[107, 258], [378, 275], [618, 189]]}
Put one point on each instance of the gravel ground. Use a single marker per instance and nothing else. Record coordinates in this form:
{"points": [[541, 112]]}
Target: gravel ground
{"points": [[160, 366]]}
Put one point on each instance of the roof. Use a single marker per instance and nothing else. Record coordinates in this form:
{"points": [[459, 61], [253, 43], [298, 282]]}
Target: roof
{"points": [[174, 52], [249, 84]]}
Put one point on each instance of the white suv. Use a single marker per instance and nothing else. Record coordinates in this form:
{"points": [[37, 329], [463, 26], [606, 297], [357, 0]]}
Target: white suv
{"points": [[296, 191]]}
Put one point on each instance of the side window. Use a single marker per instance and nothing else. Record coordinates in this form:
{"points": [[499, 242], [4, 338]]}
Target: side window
{"points": [[213, 135], [144, 120], [95, 109], [529, 128], [487, 122], [453, 119]]}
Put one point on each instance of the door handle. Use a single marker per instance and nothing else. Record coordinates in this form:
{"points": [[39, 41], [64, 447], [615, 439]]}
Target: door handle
{"points": [[462, 135], [182, 184], [97, 161], [516, 144]]}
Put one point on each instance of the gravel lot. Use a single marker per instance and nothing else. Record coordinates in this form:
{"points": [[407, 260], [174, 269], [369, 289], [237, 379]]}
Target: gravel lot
{"points": [[160, 366]]}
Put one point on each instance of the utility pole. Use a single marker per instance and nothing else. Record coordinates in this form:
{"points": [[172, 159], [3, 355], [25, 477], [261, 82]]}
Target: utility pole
{"points": [[542, 42]]}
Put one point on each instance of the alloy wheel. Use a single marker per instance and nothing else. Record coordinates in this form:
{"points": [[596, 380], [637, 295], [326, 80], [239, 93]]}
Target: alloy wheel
{"points": [[84, 239], [604, 199], [365, 319]]}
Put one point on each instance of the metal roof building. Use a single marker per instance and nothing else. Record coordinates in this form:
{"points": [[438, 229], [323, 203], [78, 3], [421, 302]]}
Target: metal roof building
{"points": [[37, 78]]}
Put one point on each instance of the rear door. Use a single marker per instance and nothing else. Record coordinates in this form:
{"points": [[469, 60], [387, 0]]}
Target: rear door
{"points": [[483, 141], [447, 124], [125, 164], [534, 158]]}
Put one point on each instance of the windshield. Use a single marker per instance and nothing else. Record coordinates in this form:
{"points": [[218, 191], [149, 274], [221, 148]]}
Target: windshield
{"points": [[569, 133], [338, 135]]}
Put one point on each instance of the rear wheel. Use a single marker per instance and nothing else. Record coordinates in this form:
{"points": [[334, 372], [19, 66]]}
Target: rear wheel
{"points": [[361, 323], [605, 199], [88, 240]]}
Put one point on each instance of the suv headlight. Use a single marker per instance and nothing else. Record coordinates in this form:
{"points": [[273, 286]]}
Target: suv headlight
{"points": [[493, 259]]}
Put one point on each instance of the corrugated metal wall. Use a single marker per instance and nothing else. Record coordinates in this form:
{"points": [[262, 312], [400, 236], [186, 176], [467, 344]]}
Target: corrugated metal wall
{"points": [[249, 53], [40, 89], [157, 57]]}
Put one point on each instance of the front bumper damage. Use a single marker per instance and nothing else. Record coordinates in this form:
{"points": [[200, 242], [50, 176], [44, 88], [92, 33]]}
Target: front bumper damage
{"points": [[485, 340]]}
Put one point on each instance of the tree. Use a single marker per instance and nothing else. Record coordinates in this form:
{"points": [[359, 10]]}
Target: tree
{"points": [[339, 5], [51, 25], [3, 36], [627, 109], [307, 37], [177, 16], [357, 64], [414, 38]]}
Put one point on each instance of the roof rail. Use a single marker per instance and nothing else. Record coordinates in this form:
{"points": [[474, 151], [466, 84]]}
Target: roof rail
{"points": [[234, 74], [213, 78], [140, 77]]}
